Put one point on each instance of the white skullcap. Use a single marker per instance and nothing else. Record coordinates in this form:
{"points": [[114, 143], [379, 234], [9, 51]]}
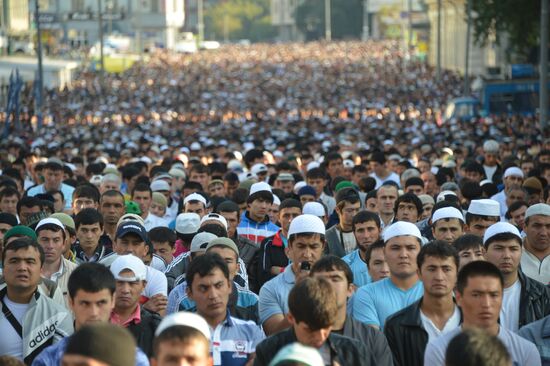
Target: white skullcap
{"points": [[513, 171], [348, 163], [484, 207], [306, 224], [312, 165], [194, 197], [160, 185], [276, 200], [185, 319], [401, 228], [298, 353], [500, 228], [447, 213], [441, 196], [49, 221], [314, 208], [188, 223], [298, 186], [259, 187], [538, 209]]}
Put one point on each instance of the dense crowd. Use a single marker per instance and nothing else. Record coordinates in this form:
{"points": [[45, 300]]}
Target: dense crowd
{"points": [[299, 204]]}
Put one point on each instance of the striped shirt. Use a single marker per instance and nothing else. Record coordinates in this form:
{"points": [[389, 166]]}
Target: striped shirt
{"points": [[256, 231]]}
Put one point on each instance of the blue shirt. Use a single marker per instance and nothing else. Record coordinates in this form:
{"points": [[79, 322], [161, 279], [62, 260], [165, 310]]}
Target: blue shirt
{"points": [[359, 268], [234, 340], [539, 333], [274, 294], [53, 354], [66, 189], [373, 303]]}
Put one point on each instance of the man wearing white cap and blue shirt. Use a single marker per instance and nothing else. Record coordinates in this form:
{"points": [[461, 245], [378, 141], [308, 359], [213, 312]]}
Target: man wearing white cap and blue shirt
{"points": [[525, 300], [306, 243], [513, 176], [535, 260], [480, 215], [50, 234], [374, 302], [447, 224], [255, 224]]}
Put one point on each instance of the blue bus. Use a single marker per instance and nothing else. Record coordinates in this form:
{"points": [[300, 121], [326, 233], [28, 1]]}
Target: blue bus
{"points": [[497, 98]]}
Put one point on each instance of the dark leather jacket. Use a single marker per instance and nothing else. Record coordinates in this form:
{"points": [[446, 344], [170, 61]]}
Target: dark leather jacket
{"points": [[406, 336], [534, 303], [144, 332], [344, 351]]}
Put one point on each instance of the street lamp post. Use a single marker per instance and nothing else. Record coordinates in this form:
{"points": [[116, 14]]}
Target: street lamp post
{"points": [[200, 22], [543, 66], [438, 70], [100, 20], [328, 23], [467, 60], [40, 78]]}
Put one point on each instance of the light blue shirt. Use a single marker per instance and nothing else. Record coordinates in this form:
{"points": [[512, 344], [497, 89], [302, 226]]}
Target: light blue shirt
{"points": [[66, 189], [359, 268], [373, 303], [274, 294]]}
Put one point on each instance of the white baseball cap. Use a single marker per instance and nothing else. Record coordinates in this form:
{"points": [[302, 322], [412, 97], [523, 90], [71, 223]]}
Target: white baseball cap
{"points": [[129, 262], [214, 217], [188, 223], [201, 241]]}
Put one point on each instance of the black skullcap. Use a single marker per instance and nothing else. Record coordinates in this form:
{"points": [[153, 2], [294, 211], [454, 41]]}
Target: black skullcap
{"points": [[106, 343], [7, 218], [414, 181]]}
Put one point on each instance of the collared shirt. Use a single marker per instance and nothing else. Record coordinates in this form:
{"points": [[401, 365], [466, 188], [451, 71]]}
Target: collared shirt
{"points": [[373, 303], [274, 294], [65, 188], [358, 267], [234, 340], [534, 268], [135, 318], [55, 276]]}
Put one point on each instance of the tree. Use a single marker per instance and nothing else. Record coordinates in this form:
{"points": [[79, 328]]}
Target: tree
{"points": [[241, 19], [520, 20], [346, 18]]}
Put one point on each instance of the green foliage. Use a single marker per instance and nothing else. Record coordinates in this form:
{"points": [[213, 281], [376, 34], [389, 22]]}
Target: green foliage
{"points": [[241, 19], [346, 18], [520, 20]]}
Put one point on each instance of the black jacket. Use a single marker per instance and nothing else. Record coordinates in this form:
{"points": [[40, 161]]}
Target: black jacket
{"points": [[343, 350], [373, 340], [144, 332], [406, 336], [271, 253], [534, 302]]}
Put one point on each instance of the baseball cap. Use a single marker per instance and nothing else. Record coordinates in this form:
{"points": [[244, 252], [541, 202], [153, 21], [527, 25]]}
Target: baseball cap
{"points": [[188, 223], [132, 263], [200, 242], [131, 226], [214, 217], [259, 168], [285, 177]]}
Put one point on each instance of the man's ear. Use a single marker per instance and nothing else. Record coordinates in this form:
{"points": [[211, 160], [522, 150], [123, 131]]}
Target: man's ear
{"points": [[351, 290], [291, 319]]}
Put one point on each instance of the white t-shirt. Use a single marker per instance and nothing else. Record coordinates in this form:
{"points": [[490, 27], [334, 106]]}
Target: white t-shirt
{"points": [[391, 177], [11, 343], [490, 171], [433, 331], [350, 243], [509, 312], [153, 221]]}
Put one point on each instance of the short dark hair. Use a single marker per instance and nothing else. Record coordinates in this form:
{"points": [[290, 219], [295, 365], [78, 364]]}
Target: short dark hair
{"points": [[91, 277], [214, 228], [467, 241], [313, 302], [203, 265], [414, 181], [88, 216], [162, 234], [501, 237], [112, 193], [515, 206], [142, 187], [228, 206], [181, 333], [28, 201], [409, 198], [439, 249], [23, 243], [51, 227], [476, 269], [470, 218], [290, 202], [365, 216], [87, 191], [8, 192], [332, 263], [316, 173], [379, 244], [473, 347], [293, 237]]}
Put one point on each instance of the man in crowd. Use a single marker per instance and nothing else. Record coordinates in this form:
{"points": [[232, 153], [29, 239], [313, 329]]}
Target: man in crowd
{"points": [[306, 244], [209, 286], [480, 215], [408, 331], [408, 207], [386, 196], [479, 295], [376, 261], [373, 303], [26, 313], [255, 224], [366, 228], [85, 196], [53, 180], [316, 178], [89, 225], [447, 224], [469, 248], [380, 171], [513, 176], [143, 195], [8, 200], [340, 238], [535, 260], [524, 300], [111, 207]]}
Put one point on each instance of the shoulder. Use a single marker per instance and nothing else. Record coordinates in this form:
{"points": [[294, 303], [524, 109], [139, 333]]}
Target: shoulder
{"points": [[108, 259], [397, 318]]}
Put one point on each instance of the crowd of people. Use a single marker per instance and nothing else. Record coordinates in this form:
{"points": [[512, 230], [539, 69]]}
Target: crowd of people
{"points": [[298, 204]]}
